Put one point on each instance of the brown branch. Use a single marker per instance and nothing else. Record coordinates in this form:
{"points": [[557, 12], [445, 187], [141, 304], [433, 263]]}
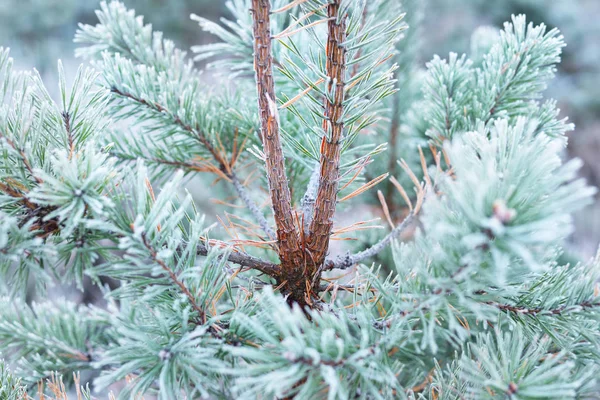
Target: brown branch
{"points": [[70, 138], [173, 277], [542, 311], [199, 135], [18, 194], [333, 127], [23, 157], [33, 211], [246, 260], [18, 191], [224, 166], [290, 251]]}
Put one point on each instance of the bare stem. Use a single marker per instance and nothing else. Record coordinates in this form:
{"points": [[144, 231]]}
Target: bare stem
{"points": [[333, 127], [245, 260], [347, 261], [290, 251], [173, 277], [252, 207]]}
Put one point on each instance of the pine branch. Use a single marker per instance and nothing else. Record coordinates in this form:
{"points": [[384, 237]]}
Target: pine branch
{"points": [[241, 258], [161, 109], [223, 164], [246, 260], [525, 55], [174, 278], [333, 127], [287, 231], [515, 309], [347, 261], [251, 205], [22, 155]]}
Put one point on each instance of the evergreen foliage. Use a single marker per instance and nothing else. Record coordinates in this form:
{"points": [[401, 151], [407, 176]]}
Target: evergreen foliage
{"points": [[326, 101]]}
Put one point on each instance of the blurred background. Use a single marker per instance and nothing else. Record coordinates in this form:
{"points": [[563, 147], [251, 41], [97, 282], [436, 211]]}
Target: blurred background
{"points": [[41, 31]]}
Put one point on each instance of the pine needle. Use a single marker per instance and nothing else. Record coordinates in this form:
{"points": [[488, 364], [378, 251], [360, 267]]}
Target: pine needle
{"points": [[386, 210], [289, 6], [402, 192], [424, 167], [288, 33], [365, 187], [301, 94], [358, 168], [411, 174], [357, 226]]}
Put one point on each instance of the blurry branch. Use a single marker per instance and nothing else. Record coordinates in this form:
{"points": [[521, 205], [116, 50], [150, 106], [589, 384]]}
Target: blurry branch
{"points": [[308, 200], [536, 311]]}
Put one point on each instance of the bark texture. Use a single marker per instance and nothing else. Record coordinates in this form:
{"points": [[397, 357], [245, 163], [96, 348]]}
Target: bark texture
{"points": [[292, 277], [333, 126], [302, 256]]}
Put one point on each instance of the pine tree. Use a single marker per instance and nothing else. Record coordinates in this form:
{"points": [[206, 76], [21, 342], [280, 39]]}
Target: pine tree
{"points": [[473, 302]]}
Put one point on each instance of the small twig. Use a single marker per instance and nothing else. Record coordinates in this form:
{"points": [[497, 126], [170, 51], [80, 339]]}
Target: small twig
{"points": [[199, 135], [23, 157], [173, 277], [347, 261], [245, 260], [252, 207], [509, 308], [538, 310]]}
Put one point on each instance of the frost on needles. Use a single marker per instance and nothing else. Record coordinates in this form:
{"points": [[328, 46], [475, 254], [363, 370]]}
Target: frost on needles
{"points": [[463, 296]]}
